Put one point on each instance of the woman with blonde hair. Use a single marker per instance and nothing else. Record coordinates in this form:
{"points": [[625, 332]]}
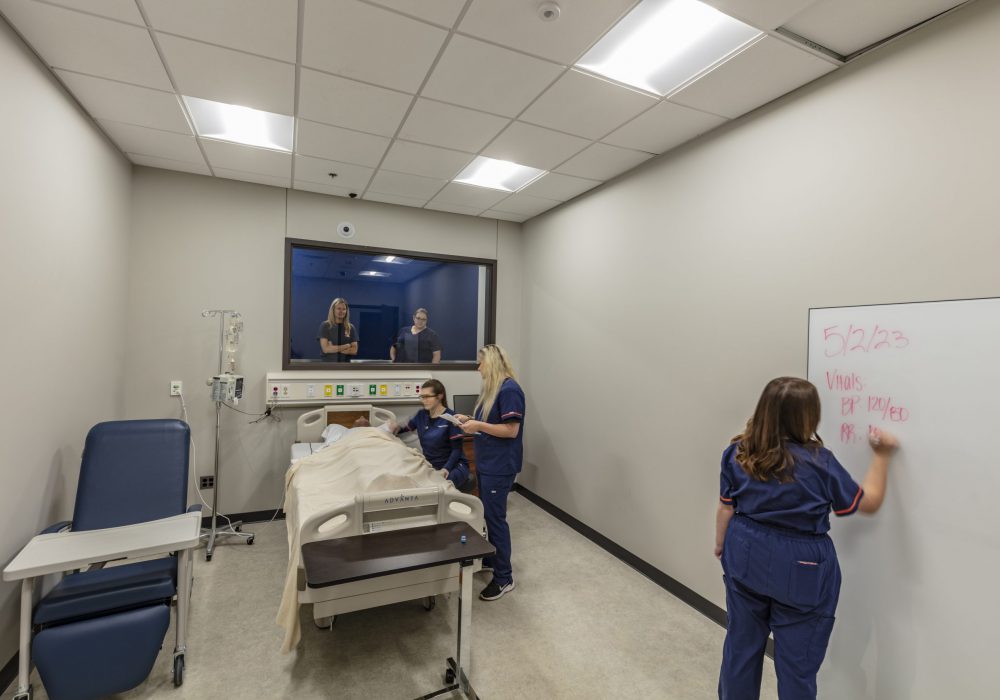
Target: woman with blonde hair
{"points": [[497, 424], [338, 338]]}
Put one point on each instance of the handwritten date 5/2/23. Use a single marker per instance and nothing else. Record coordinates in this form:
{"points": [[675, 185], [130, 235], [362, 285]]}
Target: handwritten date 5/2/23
{"points": [[841, 340]]}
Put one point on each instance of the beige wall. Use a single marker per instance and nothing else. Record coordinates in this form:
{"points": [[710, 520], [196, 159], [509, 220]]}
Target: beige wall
{"points": [[664, 301], [203, 243], [64, 217]]}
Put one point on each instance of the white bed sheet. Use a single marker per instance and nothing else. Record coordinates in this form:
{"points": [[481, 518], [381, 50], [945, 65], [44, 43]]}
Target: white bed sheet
{"points": [[366, 460]]}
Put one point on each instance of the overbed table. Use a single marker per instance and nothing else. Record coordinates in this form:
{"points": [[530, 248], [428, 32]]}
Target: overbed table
{"points": [[359, 557], [65, 551]]}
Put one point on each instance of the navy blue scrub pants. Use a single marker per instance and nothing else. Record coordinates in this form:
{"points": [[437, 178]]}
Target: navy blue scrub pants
{"points": [[493, 492], [784, 582]]}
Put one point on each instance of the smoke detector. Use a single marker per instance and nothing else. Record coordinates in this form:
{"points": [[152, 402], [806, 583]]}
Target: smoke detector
{"points": [[549, 11]]}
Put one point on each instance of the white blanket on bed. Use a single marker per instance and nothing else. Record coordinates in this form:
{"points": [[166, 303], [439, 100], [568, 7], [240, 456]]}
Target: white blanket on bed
{"points": [[365, 460]]}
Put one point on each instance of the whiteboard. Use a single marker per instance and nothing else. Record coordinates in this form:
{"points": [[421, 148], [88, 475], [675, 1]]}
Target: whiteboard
{"points": [[918, 615]]}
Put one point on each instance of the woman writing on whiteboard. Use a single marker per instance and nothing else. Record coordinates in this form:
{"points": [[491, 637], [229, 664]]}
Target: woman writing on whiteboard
{"points": [[497, 425], [778, 486]]}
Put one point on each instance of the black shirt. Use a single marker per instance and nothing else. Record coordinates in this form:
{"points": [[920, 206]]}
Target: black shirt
{"points": [[337, 335], [426, 343]]}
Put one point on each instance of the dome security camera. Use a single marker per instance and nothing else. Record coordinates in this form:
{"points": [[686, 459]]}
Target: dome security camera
{"points": [[352, 195], [549, 11], [346, 229]]}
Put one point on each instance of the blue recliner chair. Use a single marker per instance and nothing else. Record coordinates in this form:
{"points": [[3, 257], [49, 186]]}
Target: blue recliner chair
{"points": [[99, 631]]}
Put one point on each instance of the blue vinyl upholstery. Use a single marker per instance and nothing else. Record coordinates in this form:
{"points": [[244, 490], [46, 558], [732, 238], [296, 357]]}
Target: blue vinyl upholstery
{"points": [[99, 632]]}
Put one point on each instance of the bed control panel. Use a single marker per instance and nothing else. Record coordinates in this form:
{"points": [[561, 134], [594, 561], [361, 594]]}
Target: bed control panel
{"points": [[309, 388]]}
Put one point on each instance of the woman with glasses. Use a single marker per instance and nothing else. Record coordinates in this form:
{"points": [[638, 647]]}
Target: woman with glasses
{"points": [[416, 343], [440, 440], [497, 424]]}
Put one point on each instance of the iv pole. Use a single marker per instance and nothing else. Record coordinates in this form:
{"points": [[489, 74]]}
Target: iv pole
{"points": [[235, 528]]}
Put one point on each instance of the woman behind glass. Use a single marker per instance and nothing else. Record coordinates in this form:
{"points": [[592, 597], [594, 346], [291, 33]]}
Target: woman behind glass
{"points": [[440, 440], [497, 425], [338, 338], [416, 343]]}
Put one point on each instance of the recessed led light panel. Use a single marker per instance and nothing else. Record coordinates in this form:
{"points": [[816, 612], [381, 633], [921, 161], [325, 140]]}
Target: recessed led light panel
{"points": [[250, 127], [498, 174], [661, 44]]}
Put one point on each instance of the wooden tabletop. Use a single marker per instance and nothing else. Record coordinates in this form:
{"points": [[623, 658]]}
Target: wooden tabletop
{"points": [[359, 557]]}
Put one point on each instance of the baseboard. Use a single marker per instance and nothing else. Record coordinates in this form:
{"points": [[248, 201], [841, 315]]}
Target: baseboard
{"points": [[254, 516], [703, 605], [8, 674]]}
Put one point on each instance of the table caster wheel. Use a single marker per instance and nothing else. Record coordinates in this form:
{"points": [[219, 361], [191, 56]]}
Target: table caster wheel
{"points": [[250, 539], [430, 602], [449, 676], [238, 528], [325, 623], [178, 671], [208, 557], [26, 695]]}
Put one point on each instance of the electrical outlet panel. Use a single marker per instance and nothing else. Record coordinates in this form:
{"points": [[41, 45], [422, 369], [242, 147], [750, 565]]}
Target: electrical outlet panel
{"points": [[176, 387], [206, 482]]}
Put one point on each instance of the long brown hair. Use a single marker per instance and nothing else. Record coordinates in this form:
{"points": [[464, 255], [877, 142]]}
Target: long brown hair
{"points": [[787, 411]]}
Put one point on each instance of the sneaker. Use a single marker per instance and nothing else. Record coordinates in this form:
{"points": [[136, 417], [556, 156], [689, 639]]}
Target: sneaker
{"points": [[495, 590]]}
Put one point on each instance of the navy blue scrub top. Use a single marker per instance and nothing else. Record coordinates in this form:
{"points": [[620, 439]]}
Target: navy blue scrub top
{"points": [[440, 441], [821, 484], [502, 456]]}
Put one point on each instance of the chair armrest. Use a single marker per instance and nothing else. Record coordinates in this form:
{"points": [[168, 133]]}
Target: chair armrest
{"points": [[196, 508], [58, 527]]}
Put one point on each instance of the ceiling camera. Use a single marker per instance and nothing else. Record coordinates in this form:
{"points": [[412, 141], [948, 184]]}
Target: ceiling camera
{"points": [[353, 195], [345, 229]]}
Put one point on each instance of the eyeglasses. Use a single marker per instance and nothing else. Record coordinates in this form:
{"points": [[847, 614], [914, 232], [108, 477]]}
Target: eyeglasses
{"points": [[428, 396]]}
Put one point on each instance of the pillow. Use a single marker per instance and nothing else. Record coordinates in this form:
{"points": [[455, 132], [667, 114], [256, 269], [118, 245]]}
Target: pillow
{"points": [[333, 432]]}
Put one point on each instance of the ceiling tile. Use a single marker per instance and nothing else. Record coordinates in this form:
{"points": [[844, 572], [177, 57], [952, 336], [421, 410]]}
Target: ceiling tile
{"points": [[120, 102], [763, 14], [451, 127], [603, 162], [559, 187], [56, 34], [272, 180], [368, 43], [316, 187], [516, 23], [505, 215], [846, 26], [265, 27], [430, 161], [152, 142], [169, 164], [454, 208], [586, 106], [233, 77], [469, 196], [534, 146], [123, 10], [348, 103], [760, 73], [664, 126], [487, 77], [334, 143], [402, 185], [354, 177], [394, 199], [441, 12], [525, 204], [260, 161]]}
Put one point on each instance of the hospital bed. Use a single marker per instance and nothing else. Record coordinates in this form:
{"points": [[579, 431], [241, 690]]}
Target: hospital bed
{"points": [[394, 488]]}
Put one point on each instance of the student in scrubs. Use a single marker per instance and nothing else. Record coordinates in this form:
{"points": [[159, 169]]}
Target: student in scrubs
{"points": [[440, 440], [497, 424], [337, 336], [778, 486]]}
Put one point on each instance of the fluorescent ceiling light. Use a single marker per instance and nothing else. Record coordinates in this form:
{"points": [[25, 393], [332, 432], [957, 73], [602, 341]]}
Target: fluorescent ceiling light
{"points": [[661, 44], [373, 273], [392, 260], [498, 174], [252, 127]]}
